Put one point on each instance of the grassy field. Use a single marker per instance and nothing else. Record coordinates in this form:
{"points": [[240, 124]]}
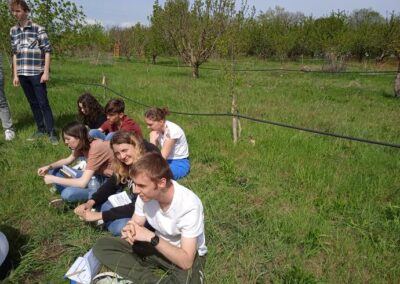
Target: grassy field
{"points": [[281, 206]]}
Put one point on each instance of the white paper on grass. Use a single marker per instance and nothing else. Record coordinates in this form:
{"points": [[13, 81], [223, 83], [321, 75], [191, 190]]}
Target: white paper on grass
{"points": [[84, 268], [119, 199]]}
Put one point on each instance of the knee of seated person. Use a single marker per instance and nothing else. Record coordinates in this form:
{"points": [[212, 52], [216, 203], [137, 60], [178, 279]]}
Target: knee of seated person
{"points": [[179, 173], [94, 133], [68, 195], [102, 245], [116, 226], [115, 230]]}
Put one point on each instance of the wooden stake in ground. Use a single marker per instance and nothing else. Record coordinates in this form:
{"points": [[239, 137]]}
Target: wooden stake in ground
{"points": [[104, 84], [235, 121]]}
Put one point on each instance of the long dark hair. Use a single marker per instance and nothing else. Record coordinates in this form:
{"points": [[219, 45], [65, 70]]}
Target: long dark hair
{"points": [[78, 131], [92, 107]]}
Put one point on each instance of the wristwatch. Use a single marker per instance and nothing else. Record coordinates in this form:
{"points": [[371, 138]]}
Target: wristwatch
{"points": [[154, 240]]}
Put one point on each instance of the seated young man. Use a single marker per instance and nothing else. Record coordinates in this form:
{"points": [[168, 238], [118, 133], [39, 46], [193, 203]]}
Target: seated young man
{"points": [[178, 244], [116, 120]]}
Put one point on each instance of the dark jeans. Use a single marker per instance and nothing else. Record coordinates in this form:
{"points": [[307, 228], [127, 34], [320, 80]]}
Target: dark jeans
{"points": [[138, 262], [36, 93]]}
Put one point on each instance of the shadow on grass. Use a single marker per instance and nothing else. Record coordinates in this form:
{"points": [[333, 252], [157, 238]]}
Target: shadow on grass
{"points": [[27, 121], [65, 118], [389, 95], [16, 241]]}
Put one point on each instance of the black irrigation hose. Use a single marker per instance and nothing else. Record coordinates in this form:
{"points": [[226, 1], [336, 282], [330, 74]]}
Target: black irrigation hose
{"points": [[385, 72], [363, 140]]}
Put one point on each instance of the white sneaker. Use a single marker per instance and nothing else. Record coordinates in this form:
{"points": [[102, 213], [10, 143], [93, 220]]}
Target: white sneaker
{"points": [[9, 134]]}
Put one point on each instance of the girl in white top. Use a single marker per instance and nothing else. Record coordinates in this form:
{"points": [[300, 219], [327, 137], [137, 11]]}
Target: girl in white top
{"points": [[172, 140]]}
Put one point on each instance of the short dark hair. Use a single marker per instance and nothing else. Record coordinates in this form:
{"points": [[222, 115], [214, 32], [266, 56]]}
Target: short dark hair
{"points": [[79, 131], [21, 3], [154, 166], [114, 106]]}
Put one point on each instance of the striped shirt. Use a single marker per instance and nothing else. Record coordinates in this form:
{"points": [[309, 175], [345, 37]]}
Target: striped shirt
{"points": [[29, 44]]}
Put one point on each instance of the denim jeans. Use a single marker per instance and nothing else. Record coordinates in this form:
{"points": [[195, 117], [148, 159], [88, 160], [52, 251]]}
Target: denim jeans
{"points": [[36, 93], [75, 194], [115, 226], [179, 168], [5, 114], [95, 133]]}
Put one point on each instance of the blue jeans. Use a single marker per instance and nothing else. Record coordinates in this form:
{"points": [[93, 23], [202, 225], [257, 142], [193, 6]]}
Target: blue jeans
{"points": [[115, 226], [75, 194], [180, 168], [5, 114], [95, 133], [36, 93]]}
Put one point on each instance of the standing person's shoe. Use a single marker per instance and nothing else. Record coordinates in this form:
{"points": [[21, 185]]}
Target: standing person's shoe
{"points": [[9, 134], [38, 134], [53, 139]]}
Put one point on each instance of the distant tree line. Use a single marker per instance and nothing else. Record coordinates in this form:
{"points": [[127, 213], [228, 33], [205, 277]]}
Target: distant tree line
{"points": [[217, 28]]}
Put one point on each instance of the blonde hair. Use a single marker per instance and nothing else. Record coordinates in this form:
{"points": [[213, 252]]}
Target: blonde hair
{"points": [[123, 137]]}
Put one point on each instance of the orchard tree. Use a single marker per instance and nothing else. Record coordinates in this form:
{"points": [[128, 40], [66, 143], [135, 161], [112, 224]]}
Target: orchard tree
{"points": [[194, 30], [327, 34], [6, 21], [93, 37], [139, 39], [124, 37], [365, 27], [155, 43], [62, 19]]}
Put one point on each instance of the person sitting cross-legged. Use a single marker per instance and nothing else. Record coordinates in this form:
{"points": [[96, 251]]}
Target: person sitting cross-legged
{"points": [[99, 158], [178, 244], [172, 140], [116, 120]]}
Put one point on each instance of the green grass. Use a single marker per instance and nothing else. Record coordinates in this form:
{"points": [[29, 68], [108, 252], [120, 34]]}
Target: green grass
{"points": [[294, 207]]}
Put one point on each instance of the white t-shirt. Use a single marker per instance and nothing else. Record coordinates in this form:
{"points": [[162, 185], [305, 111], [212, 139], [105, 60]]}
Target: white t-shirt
{"points": [[184, 217], [181, 148], [3, 248]]}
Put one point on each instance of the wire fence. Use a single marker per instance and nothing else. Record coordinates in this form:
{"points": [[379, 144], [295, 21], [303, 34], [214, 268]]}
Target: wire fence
{"points": [[238, 115]]}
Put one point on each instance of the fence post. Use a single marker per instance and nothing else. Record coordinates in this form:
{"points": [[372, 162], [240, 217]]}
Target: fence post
{"points": [[104, 84], [235, 120]]}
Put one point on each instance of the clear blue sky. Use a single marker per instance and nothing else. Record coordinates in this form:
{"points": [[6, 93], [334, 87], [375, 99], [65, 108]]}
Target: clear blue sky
{"points": [[129, 12]]}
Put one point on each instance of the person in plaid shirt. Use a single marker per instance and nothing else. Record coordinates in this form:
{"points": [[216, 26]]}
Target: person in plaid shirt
{"points": [[31, 62]]}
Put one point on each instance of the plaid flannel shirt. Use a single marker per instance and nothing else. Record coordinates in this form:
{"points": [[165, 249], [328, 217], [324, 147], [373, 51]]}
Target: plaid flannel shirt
{"points": [[29, 44]]}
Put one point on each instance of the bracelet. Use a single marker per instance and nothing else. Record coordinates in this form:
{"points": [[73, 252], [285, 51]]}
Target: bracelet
{"points": [[50, 167]]}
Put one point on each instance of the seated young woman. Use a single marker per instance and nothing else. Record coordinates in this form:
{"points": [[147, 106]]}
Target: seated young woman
{"points": [[127, 150], [90, 112], [98, 155], [171, 138]]}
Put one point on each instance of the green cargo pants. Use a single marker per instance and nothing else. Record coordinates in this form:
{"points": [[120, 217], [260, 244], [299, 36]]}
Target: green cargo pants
{"points": [[140, 262]]}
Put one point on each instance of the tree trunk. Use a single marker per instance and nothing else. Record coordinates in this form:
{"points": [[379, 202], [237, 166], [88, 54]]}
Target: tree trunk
{"points": [[154, 56], [195, 70]]}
